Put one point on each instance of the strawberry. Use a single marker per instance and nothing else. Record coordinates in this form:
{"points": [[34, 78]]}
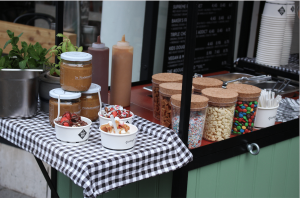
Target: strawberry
{"points": [[63, 119], [66, 124], [67, 115], [114, 113]]}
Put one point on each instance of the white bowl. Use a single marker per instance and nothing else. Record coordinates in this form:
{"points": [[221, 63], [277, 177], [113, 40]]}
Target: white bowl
{"points": [[73, 135], [104, 120], [119, 142]]}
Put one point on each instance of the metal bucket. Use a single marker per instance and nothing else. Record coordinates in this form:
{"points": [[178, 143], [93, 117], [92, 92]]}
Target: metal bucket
{"points": [[18, 92]]}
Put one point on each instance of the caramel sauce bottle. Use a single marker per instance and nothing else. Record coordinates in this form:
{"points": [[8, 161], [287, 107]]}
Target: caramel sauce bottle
{"points": [[100, 63], [121, 72]]}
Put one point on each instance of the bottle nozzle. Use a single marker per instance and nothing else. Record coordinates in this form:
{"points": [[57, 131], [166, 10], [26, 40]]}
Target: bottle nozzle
{"points": [[123, 38], [98, 40]]}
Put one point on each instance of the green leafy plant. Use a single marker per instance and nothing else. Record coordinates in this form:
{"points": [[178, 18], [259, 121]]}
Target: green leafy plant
{"points": [[28, 57], [64, 46]]}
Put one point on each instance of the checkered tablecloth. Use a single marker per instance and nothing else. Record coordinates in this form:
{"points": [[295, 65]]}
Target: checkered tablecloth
{"points": [[158, 150]]}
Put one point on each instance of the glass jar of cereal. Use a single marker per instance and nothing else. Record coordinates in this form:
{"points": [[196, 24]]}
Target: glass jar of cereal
{"points": [[197, 118], [202, 83], [219, 113], [157, 79], [246, 106], [166, 90]]}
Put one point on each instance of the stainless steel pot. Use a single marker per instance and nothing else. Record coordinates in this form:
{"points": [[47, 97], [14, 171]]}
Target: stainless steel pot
{"points": [[18, 92]]}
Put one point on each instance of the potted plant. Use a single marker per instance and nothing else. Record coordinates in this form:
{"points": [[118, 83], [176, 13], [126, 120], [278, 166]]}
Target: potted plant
{"points": [[50, 79], [19, 72]]}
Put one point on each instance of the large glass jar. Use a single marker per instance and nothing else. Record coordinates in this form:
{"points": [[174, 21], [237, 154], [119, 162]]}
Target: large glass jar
{"points": [[76, 71], [166, 90], [219, 113], [203, 82], [157, 79], [90, 103], [196, 121], [246, 106], [69, 101]]}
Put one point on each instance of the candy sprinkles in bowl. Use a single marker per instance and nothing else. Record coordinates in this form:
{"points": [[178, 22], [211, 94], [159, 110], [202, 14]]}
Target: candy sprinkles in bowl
{"points": [[197, 118]]}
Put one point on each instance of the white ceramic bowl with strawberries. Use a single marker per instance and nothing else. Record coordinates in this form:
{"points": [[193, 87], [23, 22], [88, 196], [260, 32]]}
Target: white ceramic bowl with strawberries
{"points": [[119, 142], [73, 135]]}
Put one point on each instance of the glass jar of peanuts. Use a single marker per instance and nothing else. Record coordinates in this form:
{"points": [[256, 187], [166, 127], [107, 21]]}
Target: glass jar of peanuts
{"points": [[157, 79], [246, 106], [76, 71], [197, 118], [219, 115], [90, 102], [166, 90], [69, 101], [202, 83]]}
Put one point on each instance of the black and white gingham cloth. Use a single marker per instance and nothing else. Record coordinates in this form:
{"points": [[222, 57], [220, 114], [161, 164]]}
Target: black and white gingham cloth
{"points": [[158, 150]]}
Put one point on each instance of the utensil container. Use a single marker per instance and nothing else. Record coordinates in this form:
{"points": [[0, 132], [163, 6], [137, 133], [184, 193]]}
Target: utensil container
{"points": [[265, 117]]}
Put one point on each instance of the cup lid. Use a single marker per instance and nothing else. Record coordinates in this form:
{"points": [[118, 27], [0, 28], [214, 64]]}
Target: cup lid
{"points": [[166, 77], [64, 95], [93, 89], [197, 101], [76, 56]]}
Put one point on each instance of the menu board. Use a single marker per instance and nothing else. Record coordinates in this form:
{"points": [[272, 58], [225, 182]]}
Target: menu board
{"points": [[214, 36]]}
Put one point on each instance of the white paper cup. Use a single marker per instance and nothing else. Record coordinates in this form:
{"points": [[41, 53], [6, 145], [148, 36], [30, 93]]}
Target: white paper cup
{"points": [[265, 117], [104, 120], [73, 135], [119, 142], [275, 9]]}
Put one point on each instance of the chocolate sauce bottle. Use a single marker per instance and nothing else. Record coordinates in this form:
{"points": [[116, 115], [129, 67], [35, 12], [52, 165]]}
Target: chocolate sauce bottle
{"points": [[100, 64], [121, 72]]}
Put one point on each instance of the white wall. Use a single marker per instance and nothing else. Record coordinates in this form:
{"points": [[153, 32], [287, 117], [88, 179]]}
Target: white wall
{"points": [[124, 17]]}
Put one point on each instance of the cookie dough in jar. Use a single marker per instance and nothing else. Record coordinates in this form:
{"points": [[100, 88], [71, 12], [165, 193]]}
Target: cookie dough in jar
{"points": [[90, 103], [69, 101], [76, 71], [166, 90], [196, 121], [157, 79], [219, 114], [246, 106], [202, 83]]}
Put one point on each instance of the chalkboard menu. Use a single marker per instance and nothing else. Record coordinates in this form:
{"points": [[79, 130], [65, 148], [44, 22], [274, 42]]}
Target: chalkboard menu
{"points": [[214, 37]]}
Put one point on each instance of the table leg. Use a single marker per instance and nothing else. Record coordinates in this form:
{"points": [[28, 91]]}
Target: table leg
{"points": [[49, 182]]}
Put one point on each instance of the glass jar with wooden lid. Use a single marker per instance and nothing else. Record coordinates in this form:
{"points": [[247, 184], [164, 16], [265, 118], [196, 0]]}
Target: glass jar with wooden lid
{"points": [[197, 118], [219, 114], [204, 82], [90, 102], [157, 79], [166, 90], [246, 107]]}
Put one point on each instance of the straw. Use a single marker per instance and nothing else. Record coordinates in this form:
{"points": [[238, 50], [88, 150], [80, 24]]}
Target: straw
{"points": [[58, 112], [114, 123]]}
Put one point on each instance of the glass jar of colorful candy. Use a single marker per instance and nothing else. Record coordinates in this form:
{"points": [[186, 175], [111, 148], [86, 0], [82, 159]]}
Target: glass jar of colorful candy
{"points": [[246, 106], [197, 118]]}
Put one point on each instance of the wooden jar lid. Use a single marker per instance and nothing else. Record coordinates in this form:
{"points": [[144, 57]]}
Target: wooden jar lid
{"points": [[245, 91], [197, 101], [202, 83], [166, 78], [220, 95], [171, 88]]}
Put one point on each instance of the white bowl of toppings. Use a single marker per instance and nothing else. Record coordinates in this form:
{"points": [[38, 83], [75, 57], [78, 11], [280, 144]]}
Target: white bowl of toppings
{"points": [[72, 129], [122, 140], [118, 112]]}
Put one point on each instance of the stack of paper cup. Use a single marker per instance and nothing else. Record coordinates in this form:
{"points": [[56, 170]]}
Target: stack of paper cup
{"points": [[271, 33], [287, 38]]}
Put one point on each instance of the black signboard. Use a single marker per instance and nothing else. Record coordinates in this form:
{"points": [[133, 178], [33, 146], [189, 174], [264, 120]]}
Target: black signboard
{"points": [[214, 37]]}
